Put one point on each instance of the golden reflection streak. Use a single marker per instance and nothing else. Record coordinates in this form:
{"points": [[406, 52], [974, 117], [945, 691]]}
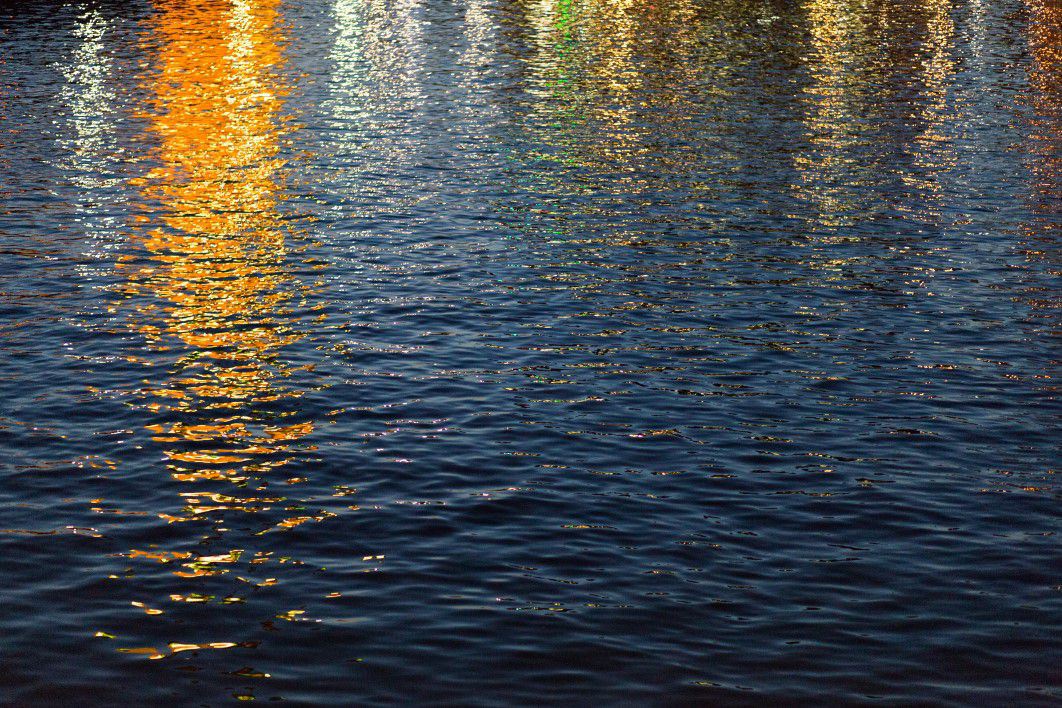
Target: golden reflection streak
{"points": [[934, 153], [851, 61], [215, 286], [1045, 84], [1045, 143], [831, 176]]}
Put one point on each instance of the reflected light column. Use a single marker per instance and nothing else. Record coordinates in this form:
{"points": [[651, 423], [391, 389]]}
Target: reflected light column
{"points": [[215, 286]]}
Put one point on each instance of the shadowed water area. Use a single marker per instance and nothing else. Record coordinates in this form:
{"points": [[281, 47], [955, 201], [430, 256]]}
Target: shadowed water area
{"points": [[579, 352]]}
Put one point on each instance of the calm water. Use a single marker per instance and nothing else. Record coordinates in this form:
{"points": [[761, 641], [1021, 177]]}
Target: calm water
{"points": [[530, 351]]}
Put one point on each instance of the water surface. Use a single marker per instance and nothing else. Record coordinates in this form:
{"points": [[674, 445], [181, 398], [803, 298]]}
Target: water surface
{"points": [[519, 351]]}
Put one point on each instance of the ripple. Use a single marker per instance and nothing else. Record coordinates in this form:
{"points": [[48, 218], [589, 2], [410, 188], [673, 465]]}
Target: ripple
{"points": [[573, 351]]}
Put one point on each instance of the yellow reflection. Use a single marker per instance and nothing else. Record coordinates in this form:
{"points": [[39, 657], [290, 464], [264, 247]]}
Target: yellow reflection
{"points": [[213, 292], [215, 288], [832, 176], [1045, 137], [857, 60], [933, 150], [1045, 88]]}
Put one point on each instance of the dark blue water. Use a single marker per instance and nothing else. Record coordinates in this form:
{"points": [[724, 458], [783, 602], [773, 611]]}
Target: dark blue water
{"points": [[568, 352]]}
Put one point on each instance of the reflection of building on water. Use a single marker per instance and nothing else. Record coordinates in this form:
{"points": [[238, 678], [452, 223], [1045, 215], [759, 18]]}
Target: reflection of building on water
{"points": [[481, 33], [605, 74], [614, 94], [708, 113], [864, 60], [89, 140], [933, 153], [834, 176], [859, 56], [1044, 144], [214, 290], [378, 56], [1045, 83], [90, 100], [612, 114], [377, 88]]}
